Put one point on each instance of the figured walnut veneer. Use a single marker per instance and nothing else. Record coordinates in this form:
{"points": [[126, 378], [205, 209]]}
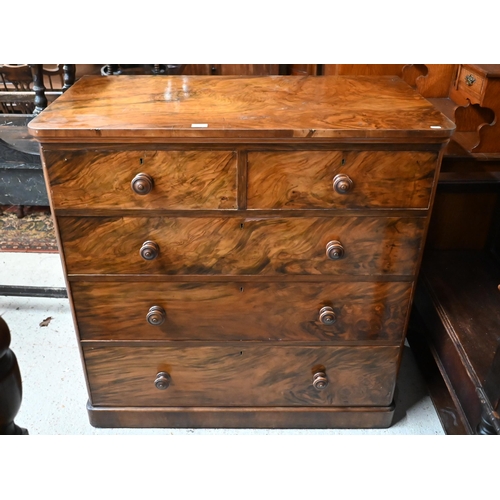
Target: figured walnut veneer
{"points": [[241, 376], [234, 246], [241, 252], [230, 311], [182, 179], [275, 107], [380, 179]]}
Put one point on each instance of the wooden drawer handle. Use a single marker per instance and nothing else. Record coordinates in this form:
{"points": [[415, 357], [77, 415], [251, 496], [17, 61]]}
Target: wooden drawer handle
{"points": [[320, 380], [156, 316], [327, 316], [469, 80], [142, 184], [342, 183], [162, 381], [149, 250], [334, 250]]}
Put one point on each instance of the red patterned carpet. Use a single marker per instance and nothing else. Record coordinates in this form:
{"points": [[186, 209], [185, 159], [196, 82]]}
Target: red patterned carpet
{"points": [[34, 232]]}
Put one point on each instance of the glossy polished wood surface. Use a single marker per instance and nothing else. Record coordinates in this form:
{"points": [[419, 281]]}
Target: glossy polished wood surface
{"points": [[244, 417], [147, 108], [241, 246], [241, 251], [305, 179], [241, 375], [180, 179], [242, 311]]}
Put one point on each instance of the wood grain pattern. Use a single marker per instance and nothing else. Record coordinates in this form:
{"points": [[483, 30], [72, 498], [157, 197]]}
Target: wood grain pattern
{"points": [[149, 108], [241, 311], [231, 69], [476, 90], [246, 417], [431, 80], [182, 179], [363, 69], [472, 92], [235, 201], [303, 179], [234, 246], [248, 376]]}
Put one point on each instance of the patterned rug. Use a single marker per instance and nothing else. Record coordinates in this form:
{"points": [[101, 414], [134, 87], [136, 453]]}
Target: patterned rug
{"points": [[32, 232]]}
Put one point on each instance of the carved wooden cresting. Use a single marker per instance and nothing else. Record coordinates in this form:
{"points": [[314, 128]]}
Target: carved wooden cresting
{"points": [[241, 252]]}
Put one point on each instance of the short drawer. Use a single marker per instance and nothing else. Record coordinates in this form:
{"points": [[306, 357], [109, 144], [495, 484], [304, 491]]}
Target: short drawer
{"points": [[246, 311], [336, 179], [241, 375], [142, 179], [237, 246], [470, 84]]}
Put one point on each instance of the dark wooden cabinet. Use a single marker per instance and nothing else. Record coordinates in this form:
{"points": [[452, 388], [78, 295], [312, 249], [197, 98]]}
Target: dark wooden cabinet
{"points": [[454, 330], [241, 252]]}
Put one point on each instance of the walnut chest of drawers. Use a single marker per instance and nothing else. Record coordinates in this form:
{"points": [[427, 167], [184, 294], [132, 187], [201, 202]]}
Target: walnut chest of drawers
{"points": [[241, 252]]}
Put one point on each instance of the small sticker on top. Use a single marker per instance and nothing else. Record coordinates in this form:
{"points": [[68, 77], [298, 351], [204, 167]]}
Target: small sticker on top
{"points": [[199, 125]]}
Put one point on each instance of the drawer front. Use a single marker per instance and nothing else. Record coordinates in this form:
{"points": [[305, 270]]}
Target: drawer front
{"points": [[109, 180], [241, 376], [241, 311], [318, 179], [236, 246], [470, 84]]}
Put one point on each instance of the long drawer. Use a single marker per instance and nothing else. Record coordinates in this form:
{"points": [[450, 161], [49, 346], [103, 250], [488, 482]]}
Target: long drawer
{"points": [[242, 246], [241, 376], [336, 179], [174, 180], [241, 311]]}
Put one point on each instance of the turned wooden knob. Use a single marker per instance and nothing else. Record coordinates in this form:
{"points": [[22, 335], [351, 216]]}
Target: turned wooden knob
{"points": [[320, 380], [156, 315], [162, 381], [334, 250], [342, 183], [149, 250], [142, 184], [327, 316]]}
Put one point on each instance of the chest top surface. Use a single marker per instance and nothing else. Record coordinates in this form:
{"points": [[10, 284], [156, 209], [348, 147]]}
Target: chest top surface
{"points": [[288, 108]]}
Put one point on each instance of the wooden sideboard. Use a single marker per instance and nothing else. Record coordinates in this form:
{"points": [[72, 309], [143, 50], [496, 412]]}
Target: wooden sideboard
{"points": [[241, 252]]}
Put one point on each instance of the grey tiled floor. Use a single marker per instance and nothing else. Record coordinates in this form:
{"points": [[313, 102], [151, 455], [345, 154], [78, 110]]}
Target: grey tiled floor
{"points": [[54, 391]]}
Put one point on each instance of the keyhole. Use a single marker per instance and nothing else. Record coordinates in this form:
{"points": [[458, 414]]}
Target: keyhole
{"points": [[343, 162], [242, 225], [141, 160], [241, 289]]}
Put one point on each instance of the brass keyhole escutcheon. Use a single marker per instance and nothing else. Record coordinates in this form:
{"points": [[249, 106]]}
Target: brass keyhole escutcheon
{"points": [[469, 80]]}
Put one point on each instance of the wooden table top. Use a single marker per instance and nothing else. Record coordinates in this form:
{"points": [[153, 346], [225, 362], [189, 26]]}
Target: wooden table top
{"points": [[305, 108]]}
